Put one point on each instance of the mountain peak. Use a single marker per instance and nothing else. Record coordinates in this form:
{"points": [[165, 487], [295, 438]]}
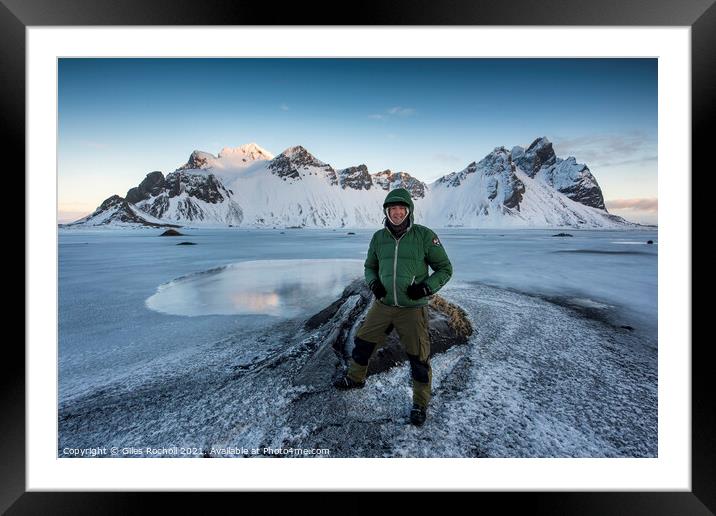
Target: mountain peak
{"points": [[301, 157], [508, 186], [388, 180], [356, 178], [538, 155], [247, 152], [199, 160], [542, 141], [564, 175], [295, 162], [298, 151]]}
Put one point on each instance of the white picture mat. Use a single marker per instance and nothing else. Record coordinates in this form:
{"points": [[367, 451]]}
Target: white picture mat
{"points": [[670, 471]]}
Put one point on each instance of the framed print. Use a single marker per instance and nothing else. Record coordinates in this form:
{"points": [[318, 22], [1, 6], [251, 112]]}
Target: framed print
{"points": [[282, 166]]}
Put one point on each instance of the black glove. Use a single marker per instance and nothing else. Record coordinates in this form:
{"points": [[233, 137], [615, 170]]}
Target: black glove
{"points": [[378, 289], [416, 291]]}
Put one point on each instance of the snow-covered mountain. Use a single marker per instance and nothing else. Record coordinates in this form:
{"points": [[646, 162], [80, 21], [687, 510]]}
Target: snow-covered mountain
{"points": [[520, 188], [247, 186], [564, 175], [186, 196], [228, 158], [388, 180], [115, 211], [297, 189]]}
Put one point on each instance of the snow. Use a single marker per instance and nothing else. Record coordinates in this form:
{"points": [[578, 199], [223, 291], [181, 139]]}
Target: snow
{"points": [[259, 198], [250, 151], [566, 173], [269, 201], [549, 372], [541, 207], [225, 213], [144, 215], [205, 159]]}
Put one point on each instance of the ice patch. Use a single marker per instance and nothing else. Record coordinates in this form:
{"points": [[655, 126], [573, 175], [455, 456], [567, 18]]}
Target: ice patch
{"points": [[586, 302], [286, 288]]}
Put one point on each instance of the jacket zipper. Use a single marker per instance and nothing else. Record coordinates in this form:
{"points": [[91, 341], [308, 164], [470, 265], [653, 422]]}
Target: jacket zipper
{"points": [[395, 263], [395, 266]]}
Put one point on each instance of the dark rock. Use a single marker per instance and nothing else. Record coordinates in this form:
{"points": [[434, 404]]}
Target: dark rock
{"points": [[585, 190], [356, 178], [151, 186], [333, 330], [649, 241], [171, 232], [198, 160], [562, 235], [449, 326], [388, 180], [627, 327], [573, 179], [294, 160], [206, 188], [153, 195], [538, 155], [186, 243], [351, 233]]}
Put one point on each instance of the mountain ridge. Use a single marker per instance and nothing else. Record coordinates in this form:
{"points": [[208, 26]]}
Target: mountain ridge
{"points": [[247, 186]]}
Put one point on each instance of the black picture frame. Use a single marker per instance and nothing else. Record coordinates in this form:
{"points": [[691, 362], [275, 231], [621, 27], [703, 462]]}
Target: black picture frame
{"points": [[700, 15]]}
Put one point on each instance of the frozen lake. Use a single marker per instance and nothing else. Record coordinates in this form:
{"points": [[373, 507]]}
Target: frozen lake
{"points": [[134, 306], [283, 288]]}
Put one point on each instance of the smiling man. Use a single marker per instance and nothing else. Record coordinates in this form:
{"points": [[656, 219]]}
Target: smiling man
{"points": [[396, 269]]}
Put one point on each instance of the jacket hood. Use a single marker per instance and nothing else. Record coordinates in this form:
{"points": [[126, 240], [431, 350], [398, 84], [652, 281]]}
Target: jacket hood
{"points": [[402, 196]]}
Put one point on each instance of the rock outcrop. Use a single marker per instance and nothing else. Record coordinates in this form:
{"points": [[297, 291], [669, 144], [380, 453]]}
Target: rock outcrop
{"points": [[334, 329]]}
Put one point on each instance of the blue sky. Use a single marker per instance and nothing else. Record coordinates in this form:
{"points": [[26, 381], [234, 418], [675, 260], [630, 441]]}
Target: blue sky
{"points": [[122, 118]]}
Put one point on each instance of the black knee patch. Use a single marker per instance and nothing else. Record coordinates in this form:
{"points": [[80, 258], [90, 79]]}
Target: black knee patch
{"points": [[362, 350], [419, 370]]}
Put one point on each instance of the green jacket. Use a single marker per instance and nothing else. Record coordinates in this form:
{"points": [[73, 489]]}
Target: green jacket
{"points": [[400, 262]]}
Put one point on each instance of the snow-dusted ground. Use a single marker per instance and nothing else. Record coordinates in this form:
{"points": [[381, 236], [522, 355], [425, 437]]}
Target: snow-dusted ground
{"points": [[151, 355]]}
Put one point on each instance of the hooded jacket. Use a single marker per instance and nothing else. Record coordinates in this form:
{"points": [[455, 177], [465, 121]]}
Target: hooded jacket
{"points": [[398, 262]]}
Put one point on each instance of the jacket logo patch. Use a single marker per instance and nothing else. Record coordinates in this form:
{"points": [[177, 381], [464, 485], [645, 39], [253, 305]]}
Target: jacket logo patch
{"points": [[436, 241]]}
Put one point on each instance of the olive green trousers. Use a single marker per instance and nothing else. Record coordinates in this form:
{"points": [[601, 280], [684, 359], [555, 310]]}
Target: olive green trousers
{"points": [[412, 326]]}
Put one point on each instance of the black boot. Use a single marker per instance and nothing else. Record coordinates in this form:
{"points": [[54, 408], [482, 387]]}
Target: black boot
{"points": [[418, 415], [345, 382]]}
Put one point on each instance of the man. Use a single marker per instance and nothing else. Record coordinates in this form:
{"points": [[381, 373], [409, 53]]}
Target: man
{"points": [[396, 269]]}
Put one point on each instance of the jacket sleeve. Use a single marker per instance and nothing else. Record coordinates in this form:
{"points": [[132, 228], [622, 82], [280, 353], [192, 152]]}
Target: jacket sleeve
{"points": [[371, 263], [439, 262]]}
